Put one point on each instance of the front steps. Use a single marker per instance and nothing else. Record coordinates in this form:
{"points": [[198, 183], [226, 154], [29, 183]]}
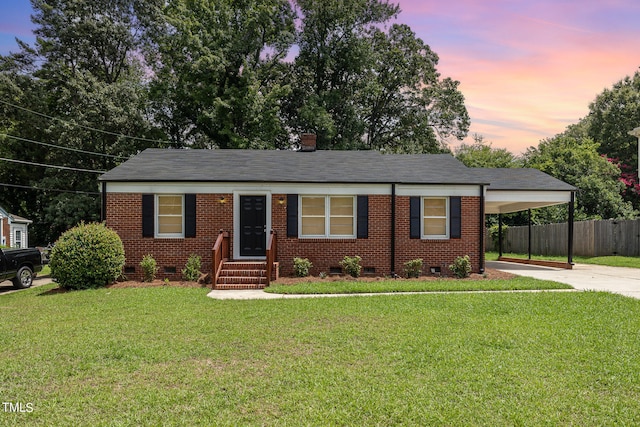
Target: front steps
{"points": [[243, 275]]}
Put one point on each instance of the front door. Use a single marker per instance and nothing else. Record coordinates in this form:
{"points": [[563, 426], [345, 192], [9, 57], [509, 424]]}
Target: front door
{"points": [[253, 226]]}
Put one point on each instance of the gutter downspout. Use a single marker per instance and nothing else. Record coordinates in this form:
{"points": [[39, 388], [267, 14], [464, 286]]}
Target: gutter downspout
{"points": [[393, 229], [103, 210], [482, 230]]}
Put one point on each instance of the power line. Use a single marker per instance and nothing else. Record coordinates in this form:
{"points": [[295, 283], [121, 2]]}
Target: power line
{"points": [[50, 166], [83, 126], [26, 187], [61, 147]]}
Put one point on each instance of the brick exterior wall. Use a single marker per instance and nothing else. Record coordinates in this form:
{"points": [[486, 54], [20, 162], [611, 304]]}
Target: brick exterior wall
{"points": [[124, 215]]}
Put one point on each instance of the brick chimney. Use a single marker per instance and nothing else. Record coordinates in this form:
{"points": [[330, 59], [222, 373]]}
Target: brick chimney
{"points": [[308, 142]]}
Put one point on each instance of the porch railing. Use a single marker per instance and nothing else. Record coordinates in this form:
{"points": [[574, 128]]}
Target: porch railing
{"points": [[220, 254], [271, 253]]}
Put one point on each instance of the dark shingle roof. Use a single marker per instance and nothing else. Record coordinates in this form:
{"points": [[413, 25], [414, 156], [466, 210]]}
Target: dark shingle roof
{"points": [[292, 166], [166, 165], [521, 179]]}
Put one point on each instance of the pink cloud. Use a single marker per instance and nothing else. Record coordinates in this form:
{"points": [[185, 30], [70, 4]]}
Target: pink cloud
{"points": [[527, 70]]}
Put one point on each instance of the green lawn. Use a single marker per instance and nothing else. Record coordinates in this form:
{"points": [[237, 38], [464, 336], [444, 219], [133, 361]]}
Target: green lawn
{"points": [[171, 356], [613, 261], [440, 285]]}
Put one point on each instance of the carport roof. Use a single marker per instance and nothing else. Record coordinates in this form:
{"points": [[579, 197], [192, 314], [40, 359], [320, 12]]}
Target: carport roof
{"points": [[519, 189]]}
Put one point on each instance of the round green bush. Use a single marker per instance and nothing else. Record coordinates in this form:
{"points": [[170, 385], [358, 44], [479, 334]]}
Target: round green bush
{"points": [[87, 256]]}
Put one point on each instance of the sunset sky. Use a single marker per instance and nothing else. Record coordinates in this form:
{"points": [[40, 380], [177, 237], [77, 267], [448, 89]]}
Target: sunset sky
{"points": [[527, 68]]}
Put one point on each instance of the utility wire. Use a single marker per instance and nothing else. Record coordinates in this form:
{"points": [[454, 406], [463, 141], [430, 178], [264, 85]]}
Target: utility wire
{"points": [[83, 126], [50, 166], [61, 147], [48, 189]]}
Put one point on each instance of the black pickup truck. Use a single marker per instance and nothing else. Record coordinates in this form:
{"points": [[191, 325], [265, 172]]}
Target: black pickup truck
{"points": [[20, 266]]}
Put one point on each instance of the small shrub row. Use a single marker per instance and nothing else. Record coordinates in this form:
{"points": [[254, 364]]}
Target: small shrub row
{"points": [[191, 271]]}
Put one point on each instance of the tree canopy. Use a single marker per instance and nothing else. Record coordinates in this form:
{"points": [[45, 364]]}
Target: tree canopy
{"points": [[108, 78], [614, 113], [576, 161], [481, 154]]}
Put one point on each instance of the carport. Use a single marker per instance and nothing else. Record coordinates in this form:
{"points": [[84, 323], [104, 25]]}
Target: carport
{"points": [[517, 190]]}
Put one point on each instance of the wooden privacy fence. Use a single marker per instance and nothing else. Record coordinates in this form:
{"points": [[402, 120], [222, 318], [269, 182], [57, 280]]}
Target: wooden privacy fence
{"points": [[590, 238]]}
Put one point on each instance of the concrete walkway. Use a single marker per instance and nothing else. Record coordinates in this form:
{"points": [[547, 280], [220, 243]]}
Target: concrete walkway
{"points": [[619, 280], [260, 294]]}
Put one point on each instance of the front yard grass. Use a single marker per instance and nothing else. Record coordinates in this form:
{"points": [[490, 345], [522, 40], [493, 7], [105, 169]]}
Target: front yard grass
{"points": [[439, 285], [171, 356], [612, 261]]}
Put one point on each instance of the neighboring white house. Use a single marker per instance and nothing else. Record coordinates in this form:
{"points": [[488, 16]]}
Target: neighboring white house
{"points": [[14, 230]]}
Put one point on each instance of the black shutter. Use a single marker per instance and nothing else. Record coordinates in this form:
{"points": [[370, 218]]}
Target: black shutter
{"points": [[455, 220], [363, 217], [189, 215], [414, 217], [148, 215], [292, 215]]}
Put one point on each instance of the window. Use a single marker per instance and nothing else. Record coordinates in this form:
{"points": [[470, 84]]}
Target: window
{"points": [[170, 213], [18, 242], [327, 216], [435, 213]]}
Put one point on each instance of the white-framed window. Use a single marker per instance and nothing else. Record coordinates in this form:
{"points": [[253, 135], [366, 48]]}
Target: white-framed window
{"points": [[18, 239], [328, 216], [435, 217], [169, 215]]}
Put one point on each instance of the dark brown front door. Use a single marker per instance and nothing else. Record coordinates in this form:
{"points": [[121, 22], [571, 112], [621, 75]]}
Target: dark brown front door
{"points": [[253, 224]]}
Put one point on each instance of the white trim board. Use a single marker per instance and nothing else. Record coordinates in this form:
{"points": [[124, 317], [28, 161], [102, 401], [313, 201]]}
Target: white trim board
{"points": [[292, 188]]}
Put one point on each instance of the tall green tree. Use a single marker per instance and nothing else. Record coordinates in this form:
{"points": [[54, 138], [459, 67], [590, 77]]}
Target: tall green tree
{"points": [[614, 113], [335, 53], [218, 71], [361, 86], [577, 162], [407, 106], [83, 80]]}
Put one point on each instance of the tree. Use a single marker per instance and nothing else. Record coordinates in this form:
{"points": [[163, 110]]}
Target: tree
{"points": [[577, 162], [360, 87], [219, 71], [407, 107], [480, 154], [612, 115], [83, 84], [334, 55]]}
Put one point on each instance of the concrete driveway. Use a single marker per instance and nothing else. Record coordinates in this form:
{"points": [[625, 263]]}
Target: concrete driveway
{"points": [[6, 287], [619, 280]]}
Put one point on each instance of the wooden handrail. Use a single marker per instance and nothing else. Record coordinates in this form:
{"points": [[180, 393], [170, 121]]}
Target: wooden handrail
{"points": [[220, 254], [271, 253]]}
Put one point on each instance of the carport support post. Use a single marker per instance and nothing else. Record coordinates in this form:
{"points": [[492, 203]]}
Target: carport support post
{"points": [[529, 243], [570, 227], [499, 235]]}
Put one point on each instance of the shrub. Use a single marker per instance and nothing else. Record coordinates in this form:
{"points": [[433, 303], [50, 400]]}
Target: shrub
{"points": [[413, 268], [191, 271], [149, 268], [352, 265], [301, 266], [461, 267], [87, 256]]}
